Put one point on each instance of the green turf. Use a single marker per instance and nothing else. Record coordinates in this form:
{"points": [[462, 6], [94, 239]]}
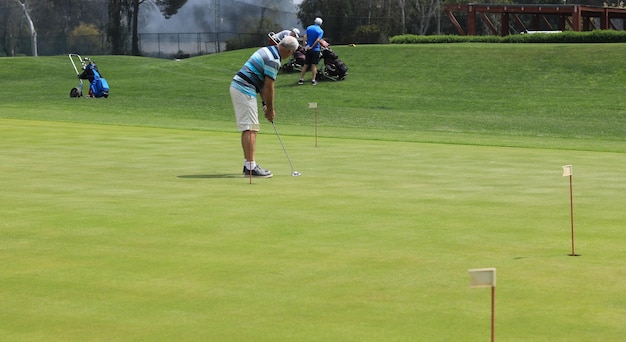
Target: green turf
{"points": [[126, 218], [485, 94]]}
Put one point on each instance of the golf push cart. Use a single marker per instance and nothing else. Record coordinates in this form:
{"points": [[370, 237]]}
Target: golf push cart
{"points": [[98, 86]]}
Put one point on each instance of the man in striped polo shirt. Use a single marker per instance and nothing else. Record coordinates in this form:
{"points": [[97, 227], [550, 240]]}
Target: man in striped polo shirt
{"points": [[257, 76]]}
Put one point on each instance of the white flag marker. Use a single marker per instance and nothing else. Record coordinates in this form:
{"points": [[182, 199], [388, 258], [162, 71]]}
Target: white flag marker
{"points": [[486, 277], [567, 170], [482, 277]]}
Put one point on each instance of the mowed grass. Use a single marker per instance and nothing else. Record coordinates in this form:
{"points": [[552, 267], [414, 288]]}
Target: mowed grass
{"points": [[527, 95], [127, 218], [140, 233]]}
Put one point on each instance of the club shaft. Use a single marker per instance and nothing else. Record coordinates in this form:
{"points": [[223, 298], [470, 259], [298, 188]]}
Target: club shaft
{"points": [[283, 145]]}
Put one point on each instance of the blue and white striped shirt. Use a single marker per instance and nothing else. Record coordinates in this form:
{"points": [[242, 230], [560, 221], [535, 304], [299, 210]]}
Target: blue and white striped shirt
{"points": [[251, 78]]}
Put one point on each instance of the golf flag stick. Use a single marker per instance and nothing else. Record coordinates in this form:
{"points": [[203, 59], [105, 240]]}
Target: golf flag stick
{"points": [[493, 313], [315, 126], [486, 277], [567, 172], [313, 105]]}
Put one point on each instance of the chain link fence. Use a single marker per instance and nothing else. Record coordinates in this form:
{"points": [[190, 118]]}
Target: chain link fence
{"points": [[159, 45]]}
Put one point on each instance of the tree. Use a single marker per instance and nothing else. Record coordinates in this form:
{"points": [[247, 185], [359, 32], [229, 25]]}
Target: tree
{"points": [[53, 21], [117, 10], [135, 40], [170, 7], [425, 11], [129, 9], [354, 21], [87, 37], [33, 32], [402, 4], [9, 27], [338, 15]]}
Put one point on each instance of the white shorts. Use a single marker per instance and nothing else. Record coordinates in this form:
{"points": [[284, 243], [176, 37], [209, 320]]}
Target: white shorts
{"points": [[246, 110]]}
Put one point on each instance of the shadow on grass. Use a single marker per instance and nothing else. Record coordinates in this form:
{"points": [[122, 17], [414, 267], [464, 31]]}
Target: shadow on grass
{"points": [[212, 176], [545, 256]]}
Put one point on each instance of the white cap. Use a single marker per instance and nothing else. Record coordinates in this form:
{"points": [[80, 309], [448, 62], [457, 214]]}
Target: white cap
{"points": [[296, 31], [318, 21]]}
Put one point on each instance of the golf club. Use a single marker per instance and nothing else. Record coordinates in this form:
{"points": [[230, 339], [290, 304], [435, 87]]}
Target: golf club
{"points": [[293, 172]]}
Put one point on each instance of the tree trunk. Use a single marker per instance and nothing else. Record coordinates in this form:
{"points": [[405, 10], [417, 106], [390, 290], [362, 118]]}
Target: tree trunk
{"points": [[115, 27], [402, 4], [33, 32], [135, 36]]}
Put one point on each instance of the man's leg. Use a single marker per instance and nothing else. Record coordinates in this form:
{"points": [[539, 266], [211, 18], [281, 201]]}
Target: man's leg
{"points": [[246, 115], [314, 71], [305, 67], [314, 59], [248, 143]]}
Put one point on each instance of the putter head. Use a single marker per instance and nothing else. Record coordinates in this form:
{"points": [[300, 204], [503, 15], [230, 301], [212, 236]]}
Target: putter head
{"points": [[295, 174]]}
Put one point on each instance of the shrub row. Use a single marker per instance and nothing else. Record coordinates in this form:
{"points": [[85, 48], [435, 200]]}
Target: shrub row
{"points": [[596, 36]]}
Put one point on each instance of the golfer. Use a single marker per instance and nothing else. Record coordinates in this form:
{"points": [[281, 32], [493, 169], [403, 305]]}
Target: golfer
{"points": [[257, 76], [313, 37], [294, 32]]}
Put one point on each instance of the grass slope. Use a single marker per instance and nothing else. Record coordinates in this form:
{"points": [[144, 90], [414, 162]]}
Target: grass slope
{"points": [[112, 232], [561, 95]]}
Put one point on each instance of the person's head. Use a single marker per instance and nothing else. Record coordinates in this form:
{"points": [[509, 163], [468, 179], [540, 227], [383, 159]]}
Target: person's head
{"points": [[295, 32], [318, 21], [287, 46]]}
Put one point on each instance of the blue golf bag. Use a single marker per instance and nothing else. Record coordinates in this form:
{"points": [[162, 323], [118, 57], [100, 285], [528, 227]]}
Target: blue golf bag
{"points": [[98, 85]]}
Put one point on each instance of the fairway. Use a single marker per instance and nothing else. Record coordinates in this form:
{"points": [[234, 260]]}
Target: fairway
{"points": [[128, 219], [127, 233]]}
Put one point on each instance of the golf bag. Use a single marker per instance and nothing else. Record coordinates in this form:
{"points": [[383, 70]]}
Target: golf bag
{"points": [[299, 56], [333, 66], [296, 62], [98, 86]]}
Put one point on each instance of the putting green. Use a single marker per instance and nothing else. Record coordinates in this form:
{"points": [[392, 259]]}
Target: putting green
{"points": [[126, 233]]}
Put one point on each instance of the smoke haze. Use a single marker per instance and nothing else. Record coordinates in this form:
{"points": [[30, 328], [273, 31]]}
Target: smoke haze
{"points": [[199, 16]]}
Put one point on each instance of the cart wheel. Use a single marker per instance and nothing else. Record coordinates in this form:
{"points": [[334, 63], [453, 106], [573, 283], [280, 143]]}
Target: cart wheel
{"points": [[75, 92]]}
